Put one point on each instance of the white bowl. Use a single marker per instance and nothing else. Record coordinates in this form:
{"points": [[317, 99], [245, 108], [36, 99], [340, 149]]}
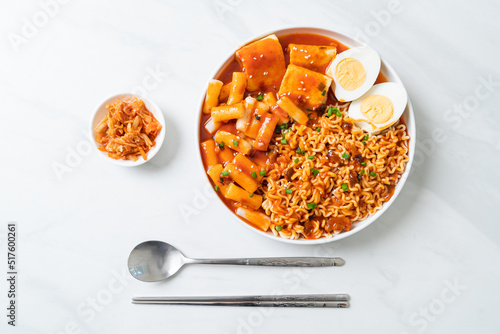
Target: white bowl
{"points": [[409, 117], [101, 112]]}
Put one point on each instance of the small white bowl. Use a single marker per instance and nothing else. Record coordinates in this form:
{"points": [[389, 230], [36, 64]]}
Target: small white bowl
{"points": [[101, 112], [408, 114]]}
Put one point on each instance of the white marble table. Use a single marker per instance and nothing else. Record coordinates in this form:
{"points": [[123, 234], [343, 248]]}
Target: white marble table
{"points": [[431, 264]]}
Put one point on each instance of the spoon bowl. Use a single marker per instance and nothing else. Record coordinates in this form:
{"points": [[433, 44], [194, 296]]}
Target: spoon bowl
{"points": [[153, 261]]}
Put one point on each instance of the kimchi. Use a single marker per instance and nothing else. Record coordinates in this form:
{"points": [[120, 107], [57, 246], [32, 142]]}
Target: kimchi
{"points": [[128, 131]]}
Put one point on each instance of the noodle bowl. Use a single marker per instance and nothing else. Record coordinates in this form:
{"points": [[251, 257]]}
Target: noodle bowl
{"points": [[323, 180]]}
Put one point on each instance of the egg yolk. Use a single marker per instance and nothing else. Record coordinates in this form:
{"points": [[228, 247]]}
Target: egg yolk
{"points": [[350, 73], [377, 108]]}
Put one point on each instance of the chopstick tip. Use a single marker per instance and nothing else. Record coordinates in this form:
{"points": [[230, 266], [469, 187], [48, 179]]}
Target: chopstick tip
{"points": [[339, 262]]}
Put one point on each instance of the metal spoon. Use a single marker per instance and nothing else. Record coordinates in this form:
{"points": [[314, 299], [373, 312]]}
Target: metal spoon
{"points": [[153, 261]]}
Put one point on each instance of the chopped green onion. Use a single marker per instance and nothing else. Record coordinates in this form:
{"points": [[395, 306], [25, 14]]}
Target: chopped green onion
{"points": [[330, 112], [251, 195], [324, 92], [311, 206], [363, 164], [345, 155], [296, 161], [226, 173], [318, 129], [262, 173], [221, 145], [284, 141], [314, 171], [216, 188], [283, 136], [362, 172], [365, 138], [373, 174], [344, 187], [257, 117], [339, 114], [254, 175], [278, 228], [235, 143], [284, 125], [311, 157], [364, 143], [260, 97], [298, 150], [288, 191]]}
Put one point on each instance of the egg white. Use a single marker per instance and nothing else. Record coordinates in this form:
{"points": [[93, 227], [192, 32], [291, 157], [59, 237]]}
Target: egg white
{"points": [[370, 60], [395, 92]]}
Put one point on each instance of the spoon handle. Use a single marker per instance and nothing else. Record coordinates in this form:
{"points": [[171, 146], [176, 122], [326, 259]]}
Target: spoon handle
{"points": [[278, 261]]}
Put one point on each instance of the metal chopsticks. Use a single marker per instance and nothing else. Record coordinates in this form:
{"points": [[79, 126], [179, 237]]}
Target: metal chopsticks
{"points": [[321, 300]]}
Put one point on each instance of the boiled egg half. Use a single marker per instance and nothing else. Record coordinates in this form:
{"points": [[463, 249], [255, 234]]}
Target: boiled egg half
{"points": [[380, 107], [353, 71]]}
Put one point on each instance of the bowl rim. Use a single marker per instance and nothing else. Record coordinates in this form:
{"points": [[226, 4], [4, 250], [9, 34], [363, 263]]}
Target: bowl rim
{"points": [[408, 113], [152, 107]]}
